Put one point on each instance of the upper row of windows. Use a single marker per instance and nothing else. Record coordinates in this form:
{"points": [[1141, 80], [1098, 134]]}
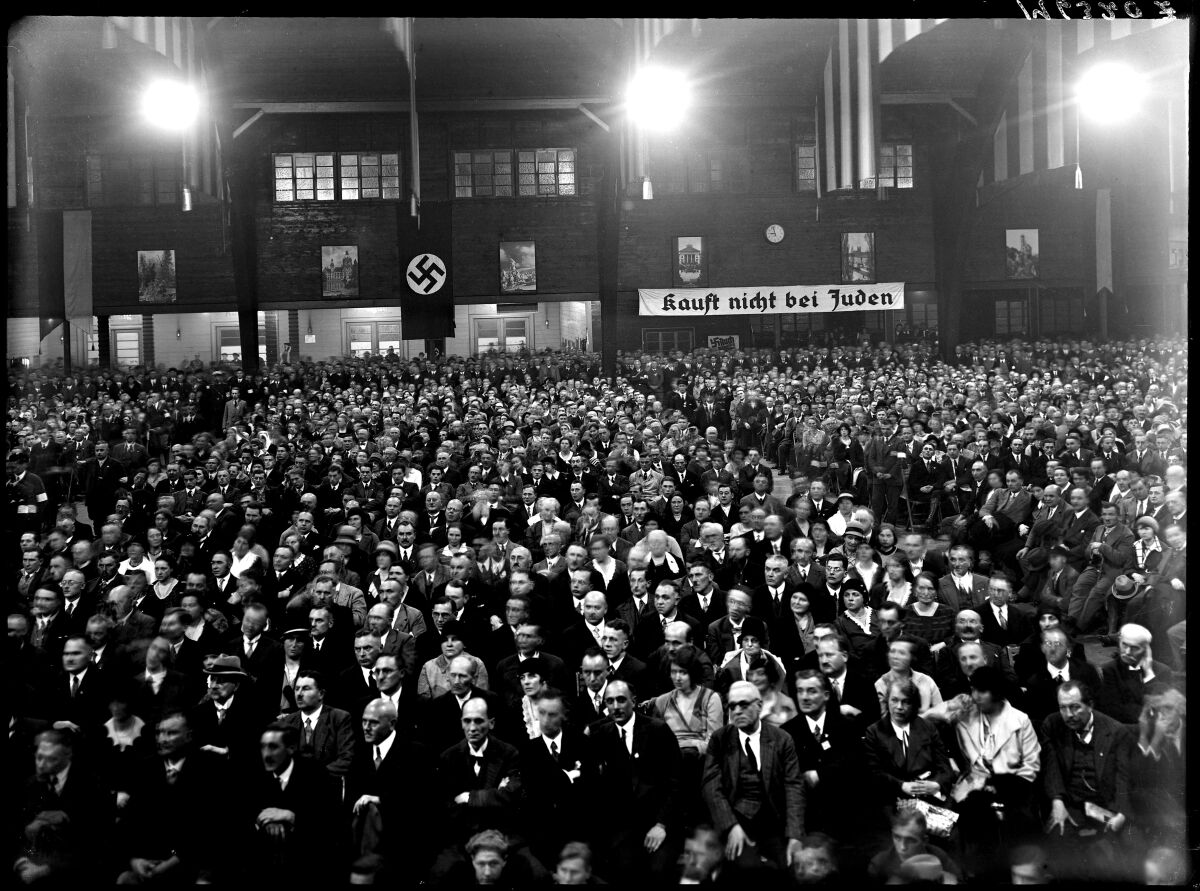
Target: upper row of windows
{"points": [[357, 176]]}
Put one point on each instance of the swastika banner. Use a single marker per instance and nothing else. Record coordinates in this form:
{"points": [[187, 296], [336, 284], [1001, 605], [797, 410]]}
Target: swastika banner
{"points": [[698, 302]]}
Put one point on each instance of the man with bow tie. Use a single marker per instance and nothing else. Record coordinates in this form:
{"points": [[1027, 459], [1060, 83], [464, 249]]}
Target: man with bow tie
{"points": [[479, 780]]}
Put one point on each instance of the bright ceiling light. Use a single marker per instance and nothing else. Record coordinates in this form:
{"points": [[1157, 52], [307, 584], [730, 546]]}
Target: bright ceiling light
{"points": [[1111, 92], [170, 104], [658, 98]]}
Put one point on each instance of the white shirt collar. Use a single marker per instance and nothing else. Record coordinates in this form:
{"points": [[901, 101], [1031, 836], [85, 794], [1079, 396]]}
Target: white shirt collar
{"points": [[386, 746], [482, 748], [313, 717], [628, 727], [285, 776]]}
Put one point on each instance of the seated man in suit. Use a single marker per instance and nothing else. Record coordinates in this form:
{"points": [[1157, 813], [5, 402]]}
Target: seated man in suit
{"points": [[1041, 687], [294, 806], [829, 752], [176, 848], [638, 830], [395, 772], [1086, 761], [853, 692], [552, 765], [961, 588], [479, 778], [1131, 675], [752, 782], [1004, 623], [326, 733], [54, 850]]}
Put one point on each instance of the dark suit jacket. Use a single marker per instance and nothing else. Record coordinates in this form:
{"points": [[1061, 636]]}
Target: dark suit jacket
{"points": [[638, 792], [890, 766], [489, 805], [84, 838], [780, 770], [648, 636], [834, 802], [949, 594], [634, 672], [1113, 744], [152, 798], [554, 805], [239, 732], [1041, 693], [314, 797], [858, 690], [1121, 689], [407, 775], [333, 739], [1020, 626], [1076, 534]]}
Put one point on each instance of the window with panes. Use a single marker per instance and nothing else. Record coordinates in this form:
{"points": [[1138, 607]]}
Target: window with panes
{"points": [[1060, 311], [666, 340], [134, 180], [806, 168], [304, 177], [1010, 316], [895, 165], [794, 330], [367, 175], [524, 173]]}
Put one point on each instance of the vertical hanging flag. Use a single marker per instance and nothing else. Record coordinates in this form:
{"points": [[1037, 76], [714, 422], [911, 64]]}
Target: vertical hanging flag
{"points": [[401, 29], [77, 267]]}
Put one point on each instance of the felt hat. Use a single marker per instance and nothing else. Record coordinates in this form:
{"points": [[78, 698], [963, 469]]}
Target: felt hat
{"points": [[227, 667], [1123, 587]]}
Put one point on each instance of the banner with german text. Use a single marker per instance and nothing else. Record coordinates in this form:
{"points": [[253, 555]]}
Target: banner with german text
{"points": [[681, 303]]}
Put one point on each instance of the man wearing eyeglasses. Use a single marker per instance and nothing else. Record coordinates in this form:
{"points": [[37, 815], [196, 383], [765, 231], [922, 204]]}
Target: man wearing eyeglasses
{"points": [[637, 758], [752, 783]]}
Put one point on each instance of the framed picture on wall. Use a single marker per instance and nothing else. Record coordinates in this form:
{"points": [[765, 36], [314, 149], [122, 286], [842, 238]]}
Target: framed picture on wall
{"points": [[858, 257], [1020, 253], [724, 342], [339, 270], [156, 276], [690, 263], [518, 267]]}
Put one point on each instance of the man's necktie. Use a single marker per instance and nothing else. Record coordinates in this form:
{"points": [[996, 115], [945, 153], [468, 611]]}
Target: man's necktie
{"points": [[1003, 616], [378, 757], [904, 746], [624, 740], [478, 763], [598, 699], [221, 715], [74, 685], [1058, 678], [750, 756], [249, 648], [664, 623], [279, 780], [308, 733], [554, 751], [172, 774]]}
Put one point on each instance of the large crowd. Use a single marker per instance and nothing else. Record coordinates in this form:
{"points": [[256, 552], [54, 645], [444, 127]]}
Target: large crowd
{"points": [[776, 616]]}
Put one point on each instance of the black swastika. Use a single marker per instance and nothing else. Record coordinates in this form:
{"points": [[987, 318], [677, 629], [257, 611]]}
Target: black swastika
{"points": [[431, 274]]}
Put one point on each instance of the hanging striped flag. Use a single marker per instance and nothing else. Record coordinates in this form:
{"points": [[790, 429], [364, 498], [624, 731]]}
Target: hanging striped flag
{"points": [[181, 42], [848, 109], [647, 35], [402, 31], [1039, 127], [893, 33]]}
